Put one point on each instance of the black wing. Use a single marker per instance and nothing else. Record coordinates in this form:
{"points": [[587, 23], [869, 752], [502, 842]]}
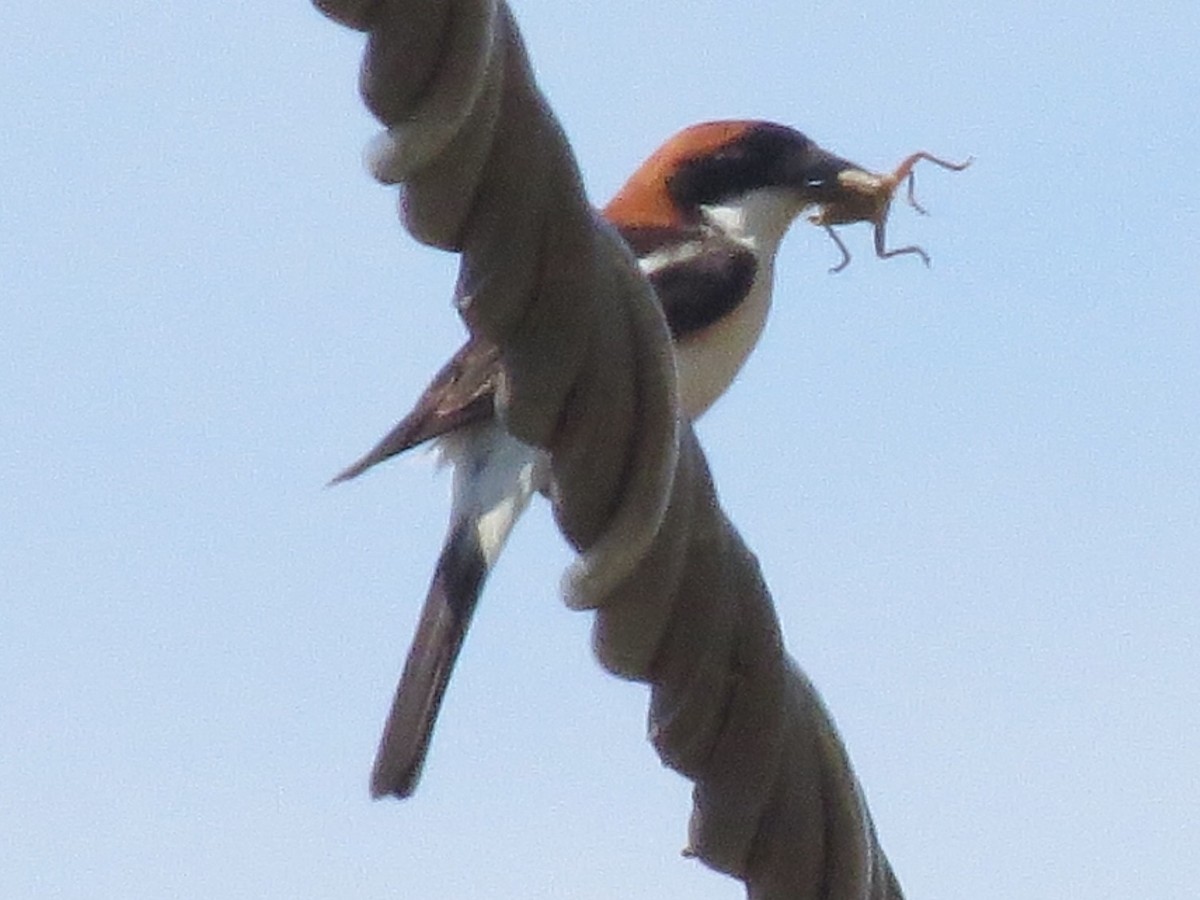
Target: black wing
{"points": [[701, 278], [460, 393]]}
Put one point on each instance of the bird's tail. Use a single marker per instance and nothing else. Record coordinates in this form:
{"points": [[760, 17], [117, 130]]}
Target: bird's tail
{"points": [[494, 477]]}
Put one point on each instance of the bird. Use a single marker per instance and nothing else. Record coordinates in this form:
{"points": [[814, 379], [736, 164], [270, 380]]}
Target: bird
{"points": [[704, 216]]}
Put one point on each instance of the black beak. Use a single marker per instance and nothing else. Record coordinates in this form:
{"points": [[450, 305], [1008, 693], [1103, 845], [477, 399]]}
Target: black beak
{"points": [[814, 173]]}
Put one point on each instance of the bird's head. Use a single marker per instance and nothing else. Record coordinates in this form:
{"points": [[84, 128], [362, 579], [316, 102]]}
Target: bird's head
{"points": [[748, 179]]}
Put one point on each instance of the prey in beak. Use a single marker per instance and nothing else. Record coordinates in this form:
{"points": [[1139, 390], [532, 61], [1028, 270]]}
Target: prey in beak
{"points": [[863, 196]]}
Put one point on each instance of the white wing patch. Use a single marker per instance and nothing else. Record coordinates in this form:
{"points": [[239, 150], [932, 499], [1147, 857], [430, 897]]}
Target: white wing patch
{"points": [[670, 255]]}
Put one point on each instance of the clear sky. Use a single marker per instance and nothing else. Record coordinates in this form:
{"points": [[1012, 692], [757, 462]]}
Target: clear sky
{"points": [[974, 489]]}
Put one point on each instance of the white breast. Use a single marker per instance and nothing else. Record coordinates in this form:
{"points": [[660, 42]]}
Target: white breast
{"points": [[708, 361]]}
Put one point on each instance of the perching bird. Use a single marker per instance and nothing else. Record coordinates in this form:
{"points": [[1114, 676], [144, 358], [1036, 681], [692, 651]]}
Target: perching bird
{"points": [[704, 215]]}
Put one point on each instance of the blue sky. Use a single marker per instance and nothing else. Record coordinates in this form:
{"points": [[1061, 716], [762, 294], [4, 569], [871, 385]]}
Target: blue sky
{"points": [[974, 489]]}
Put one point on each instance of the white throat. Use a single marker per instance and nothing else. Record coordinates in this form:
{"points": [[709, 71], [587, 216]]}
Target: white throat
{"points": [[757, 220]]}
